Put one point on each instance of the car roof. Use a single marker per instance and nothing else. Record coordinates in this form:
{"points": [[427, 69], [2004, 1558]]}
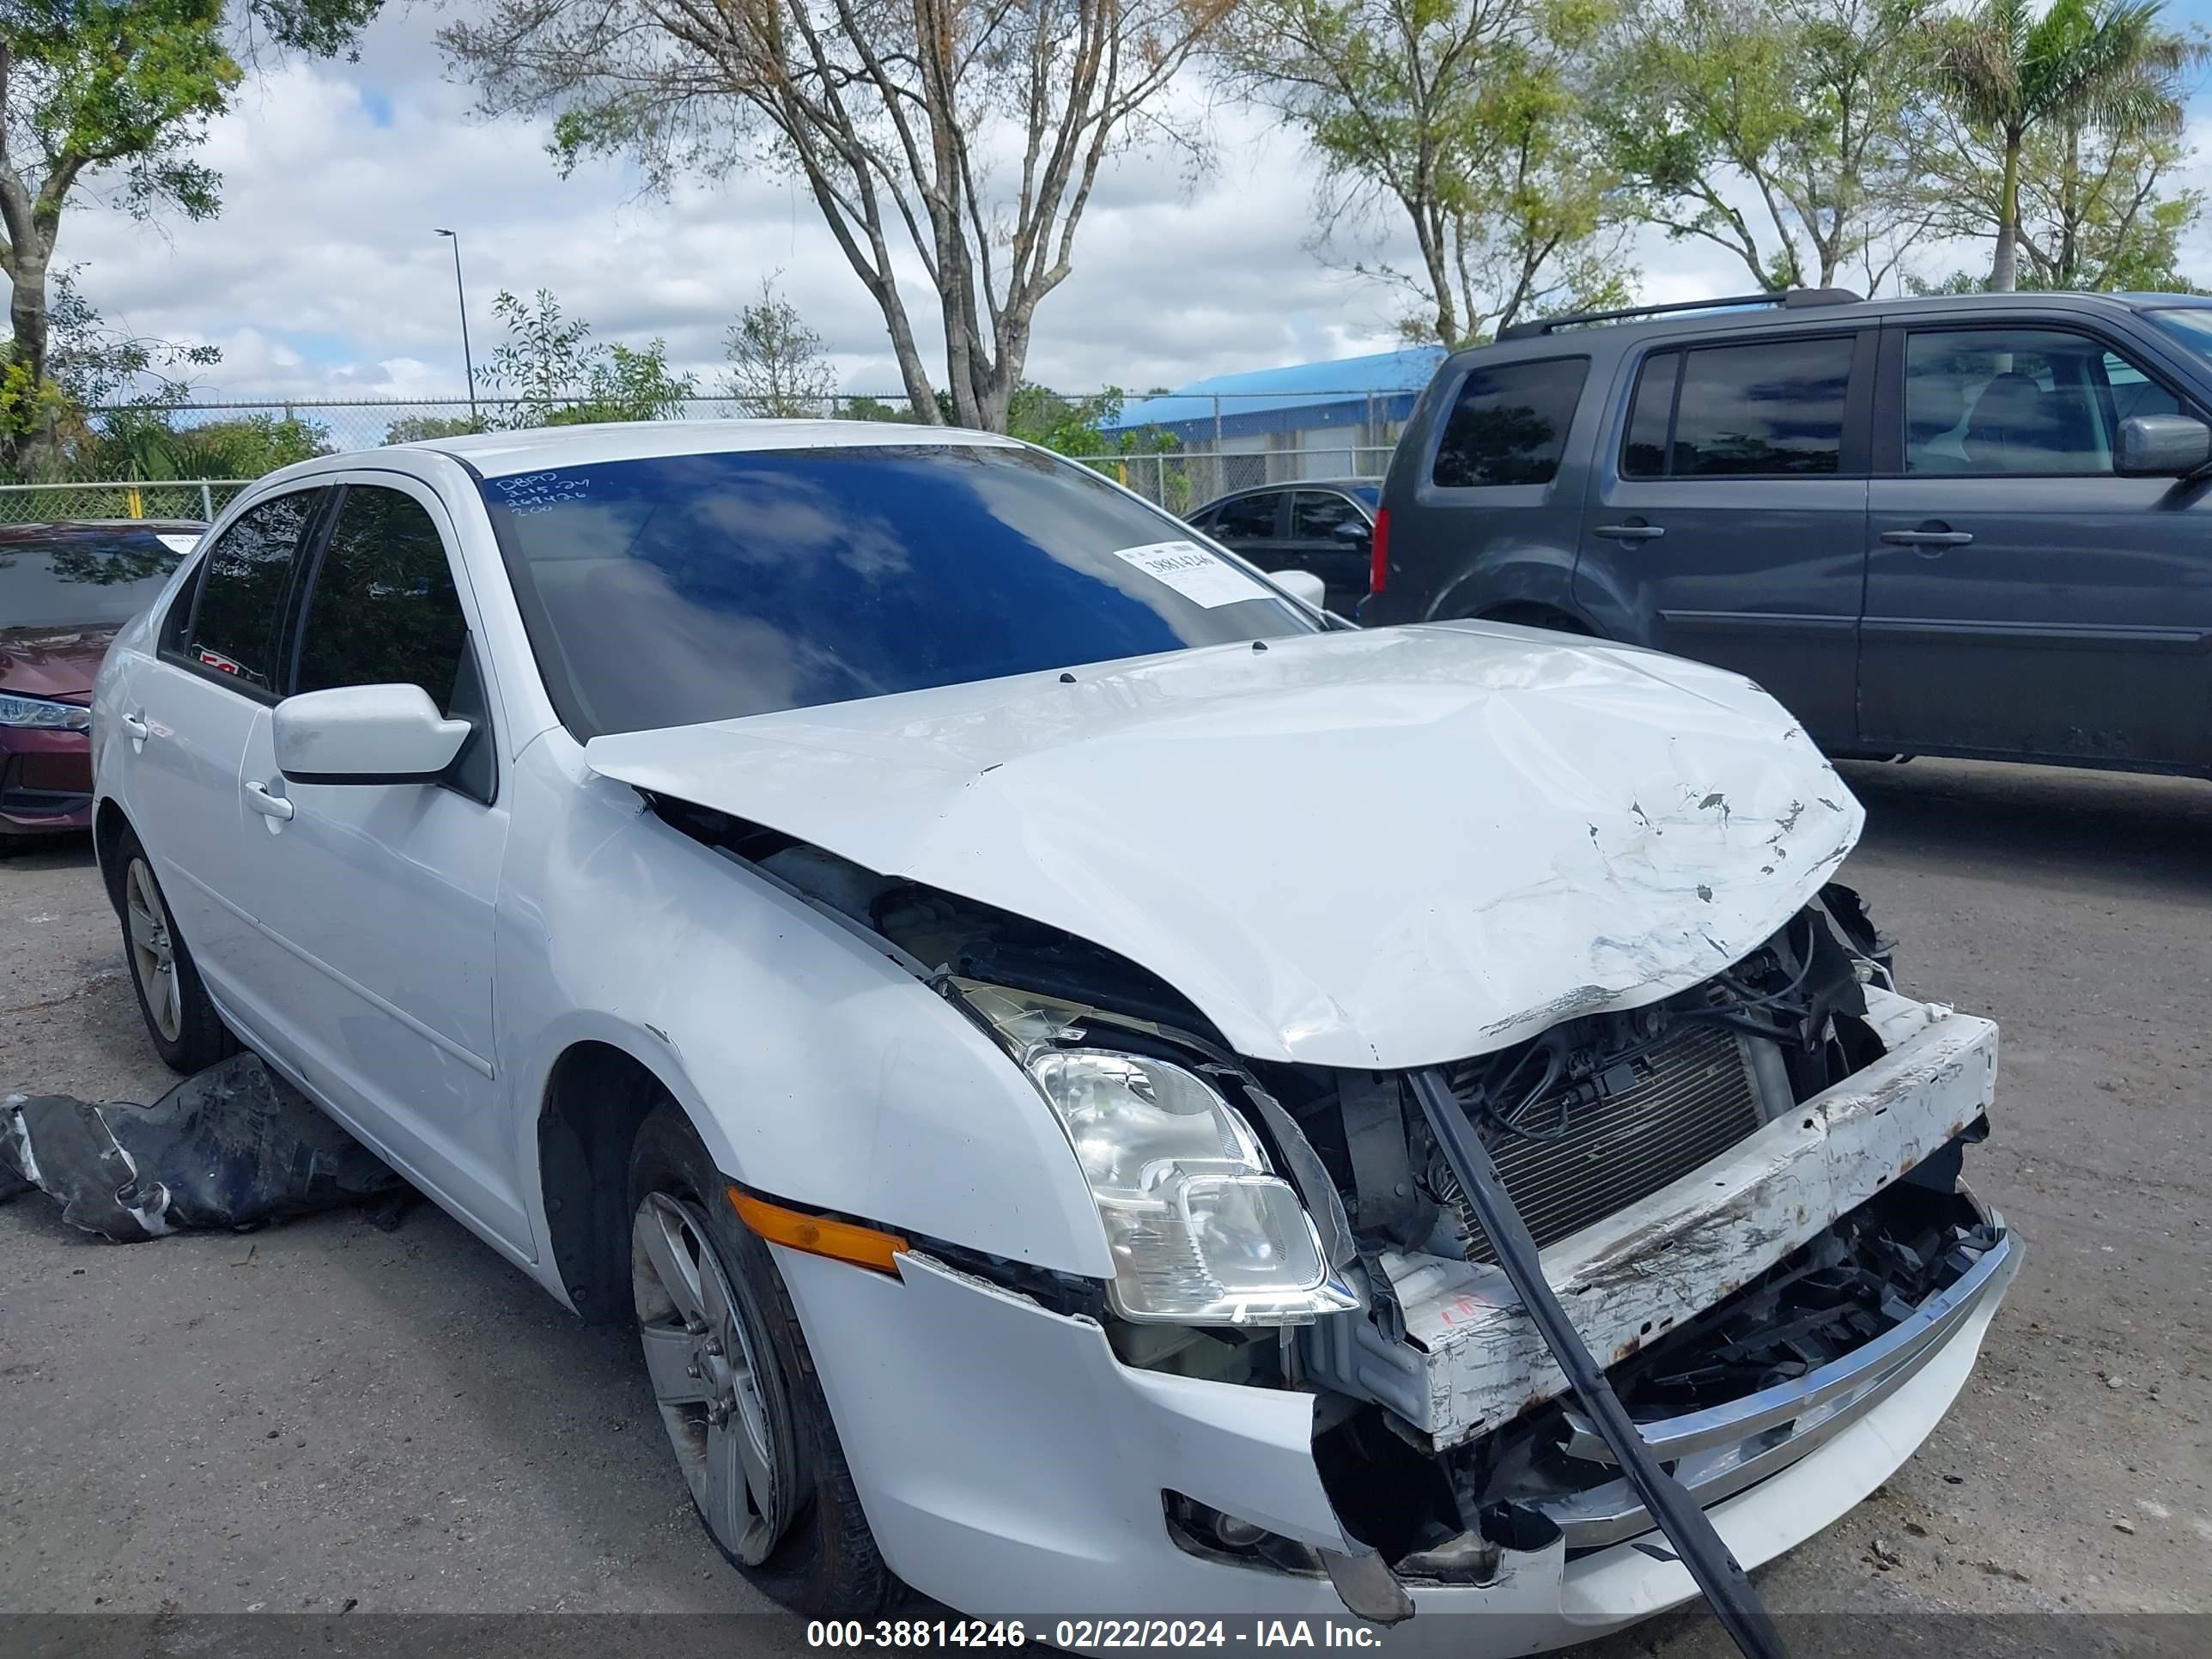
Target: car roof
{"points": [[1299, 484], [501, 454], [64, 530], [1734, 317]]}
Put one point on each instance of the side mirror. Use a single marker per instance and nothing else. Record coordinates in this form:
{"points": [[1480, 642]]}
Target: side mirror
{"points": [[1301, 585], [365, 734], [1353, 532], [2161, 446]]}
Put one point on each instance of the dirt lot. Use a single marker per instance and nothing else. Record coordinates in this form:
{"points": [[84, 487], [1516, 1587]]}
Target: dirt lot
{"points": [[325, 1416]]}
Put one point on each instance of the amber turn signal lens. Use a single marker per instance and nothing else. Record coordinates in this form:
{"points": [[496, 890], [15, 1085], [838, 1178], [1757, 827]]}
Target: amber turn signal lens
{"points": [[841, 1240]]}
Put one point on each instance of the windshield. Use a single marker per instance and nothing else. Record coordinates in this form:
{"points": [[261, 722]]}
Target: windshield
{"points": [[1370, 494], [2191, 325], [80, 579], [685, 588]]}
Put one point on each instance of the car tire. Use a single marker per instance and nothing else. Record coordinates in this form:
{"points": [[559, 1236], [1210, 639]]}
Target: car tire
{"points": [[807, 1545], [180, 1018]]}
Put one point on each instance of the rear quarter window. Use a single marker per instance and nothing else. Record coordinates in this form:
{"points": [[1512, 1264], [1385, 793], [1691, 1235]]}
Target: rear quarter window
{"points": [[1509, 424]]}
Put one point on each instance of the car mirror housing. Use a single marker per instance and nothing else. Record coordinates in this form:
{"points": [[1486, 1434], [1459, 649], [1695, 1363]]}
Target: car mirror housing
{"points": [[366, 734], [1301, 585], [1353, 532], [2161, 446]]}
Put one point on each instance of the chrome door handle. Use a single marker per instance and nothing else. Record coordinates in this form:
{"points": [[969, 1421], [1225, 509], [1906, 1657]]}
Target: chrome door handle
{"points": [[136, 728], [1631, 533], [1928, 538], [269, 807]]}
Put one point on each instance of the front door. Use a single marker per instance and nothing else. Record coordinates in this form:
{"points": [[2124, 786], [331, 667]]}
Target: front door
{"points": [[1331, 538], [2023, 599], [1730, 524], [382, 895]]}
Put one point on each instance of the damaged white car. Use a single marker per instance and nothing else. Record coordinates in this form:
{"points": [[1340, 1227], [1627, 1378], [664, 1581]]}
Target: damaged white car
{"points": [[1094, 1081]]}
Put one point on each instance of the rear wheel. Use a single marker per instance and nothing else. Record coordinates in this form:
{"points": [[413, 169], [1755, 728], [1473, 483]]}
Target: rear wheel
{"points": [[185, 1030], [736, 1387]]}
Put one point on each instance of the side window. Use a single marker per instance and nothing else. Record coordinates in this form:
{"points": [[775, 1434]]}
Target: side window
{"points": [[247, 577], [2018, 400], [1644, 452], [177, 625], [1248, 519], [382, 610], [1316, 514], [1769, 408], [1509, 424]]}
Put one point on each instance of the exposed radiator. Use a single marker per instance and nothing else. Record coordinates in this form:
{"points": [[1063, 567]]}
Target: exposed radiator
{"points": [[1694, 1097]]}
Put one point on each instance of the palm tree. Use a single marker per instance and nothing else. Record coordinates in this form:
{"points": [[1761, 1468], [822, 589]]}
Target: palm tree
{"points": [[2109, 61]]}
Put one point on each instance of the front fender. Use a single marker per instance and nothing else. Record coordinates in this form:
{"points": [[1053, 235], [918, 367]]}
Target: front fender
{"points": [[815, 1068]]}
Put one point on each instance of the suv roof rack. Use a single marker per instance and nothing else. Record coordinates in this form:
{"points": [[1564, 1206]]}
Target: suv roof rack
{"points": [[1789, 299]]}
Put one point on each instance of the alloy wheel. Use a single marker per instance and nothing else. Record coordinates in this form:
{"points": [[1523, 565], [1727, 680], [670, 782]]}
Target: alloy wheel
{"points": [[153, 950], [704, 1364]]}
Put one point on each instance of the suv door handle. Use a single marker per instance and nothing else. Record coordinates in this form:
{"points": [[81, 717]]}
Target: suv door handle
{"points": [[1928, 538], [269, 807], [1634, 530], [135, 728]]}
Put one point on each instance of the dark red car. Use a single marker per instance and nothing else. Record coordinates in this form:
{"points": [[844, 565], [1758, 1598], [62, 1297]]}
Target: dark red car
{"points": [[65, 589]]}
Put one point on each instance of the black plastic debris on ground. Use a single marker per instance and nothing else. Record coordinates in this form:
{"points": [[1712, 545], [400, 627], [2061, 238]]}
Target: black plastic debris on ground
{"points": [[233, 1147]]}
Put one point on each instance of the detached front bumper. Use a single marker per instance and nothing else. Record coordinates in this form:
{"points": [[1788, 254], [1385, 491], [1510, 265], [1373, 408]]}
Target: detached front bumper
{"points": [[1010, 1466]]}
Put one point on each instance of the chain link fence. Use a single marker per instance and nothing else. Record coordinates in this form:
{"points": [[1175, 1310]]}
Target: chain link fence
{"points": [[1218, 442], [54, 503]]}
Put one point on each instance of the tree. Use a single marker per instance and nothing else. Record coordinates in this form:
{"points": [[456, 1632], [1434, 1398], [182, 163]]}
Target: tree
{"points": [[776, 365], [2097, 209], [558, 376], [115, 95], [1781, 130], [417, 428], [2105, 64], [891, 112], [1466, 117]]}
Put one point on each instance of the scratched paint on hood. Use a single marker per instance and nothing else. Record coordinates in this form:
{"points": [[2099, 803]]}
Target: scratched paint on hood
{"points": [[1360, 849]]}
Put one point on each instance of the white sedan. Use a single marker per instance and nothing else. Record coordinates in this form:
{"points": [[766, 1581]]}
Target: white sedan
{"points": [[979, 978]]}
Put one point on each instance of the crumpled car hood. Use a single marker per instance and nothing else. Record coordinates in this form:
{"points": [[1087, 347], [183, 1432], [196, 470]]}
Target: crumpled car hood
{"points": [[1371, 850]]}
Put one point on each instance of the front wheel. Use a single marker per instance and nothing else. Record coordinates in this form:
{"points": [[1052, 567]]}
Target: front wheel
{"points": [[736, 1389]]}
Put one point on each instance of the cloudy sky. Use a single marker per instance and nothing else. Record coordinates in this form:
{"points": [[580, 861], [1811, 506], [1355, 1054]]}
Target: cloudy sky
{"points": [[323, 278]]}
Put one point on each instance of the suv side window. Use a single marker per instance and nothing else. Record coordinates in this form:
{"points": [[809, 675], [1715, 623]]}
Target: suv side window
{"points": [[1761, 408], [245, 581], [382, 610], [1510, 424], [2018, 400]]}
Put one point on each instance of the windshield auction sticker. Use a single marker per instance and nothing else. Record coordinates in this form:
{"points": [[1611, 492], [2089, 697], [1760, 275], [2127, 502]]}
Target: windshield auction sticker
{"points": [[1201, 577]]}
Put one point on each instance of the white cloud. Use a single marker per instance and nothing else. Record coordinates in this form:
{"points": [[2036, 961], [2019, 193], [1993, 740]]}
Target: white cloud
{"points": [[322, 276]]}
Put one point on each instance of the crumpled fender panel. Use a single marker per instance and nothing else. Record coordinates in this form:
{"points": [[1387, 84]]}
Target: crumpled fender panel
{"points": [[1527, 827]]}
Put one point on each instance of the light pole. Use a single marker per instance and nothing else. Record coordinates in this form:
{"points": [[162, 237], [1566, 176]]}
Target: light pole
{"points": [[461, 294]]}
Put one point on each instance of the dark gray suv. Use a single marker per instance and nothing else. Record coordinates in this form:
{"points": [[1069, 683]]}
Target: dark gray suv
{"points": [[1976, 525]]}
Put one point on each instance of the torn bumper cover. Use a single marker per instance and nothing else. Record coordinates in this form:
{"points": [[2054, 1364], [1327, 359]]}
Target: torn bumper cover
{"points": [[969, 1412], [233, 1145]]}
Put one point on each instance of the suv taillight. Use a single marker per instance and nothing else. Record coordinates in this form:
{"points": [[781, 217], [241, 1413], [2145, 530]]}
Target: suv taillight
{"points": [[1378, 558]]}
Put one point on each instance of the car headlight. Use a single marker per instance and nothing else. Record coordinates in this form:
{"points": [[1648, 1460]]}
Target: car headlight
{"points": [[1202, 1232], [43, 713]]}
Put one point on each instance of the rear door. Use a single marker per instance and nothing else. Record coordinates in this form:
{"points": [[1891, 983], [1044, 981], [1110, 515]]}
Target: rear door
{"points": [[1727, 520], [2022, 598], [186, 714], [381, 896], [1250, 525]]}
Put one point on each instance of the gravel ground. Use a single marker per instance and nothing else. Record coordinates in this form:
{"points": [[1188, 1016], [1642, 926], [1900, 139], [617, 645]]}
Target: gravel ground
{"points": [[322, 1416]]}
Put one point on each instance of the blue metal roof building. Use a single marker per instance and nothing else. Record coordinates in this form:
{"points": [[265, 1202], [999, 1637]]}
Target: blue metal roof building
{"points": [[1347, 394]]}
